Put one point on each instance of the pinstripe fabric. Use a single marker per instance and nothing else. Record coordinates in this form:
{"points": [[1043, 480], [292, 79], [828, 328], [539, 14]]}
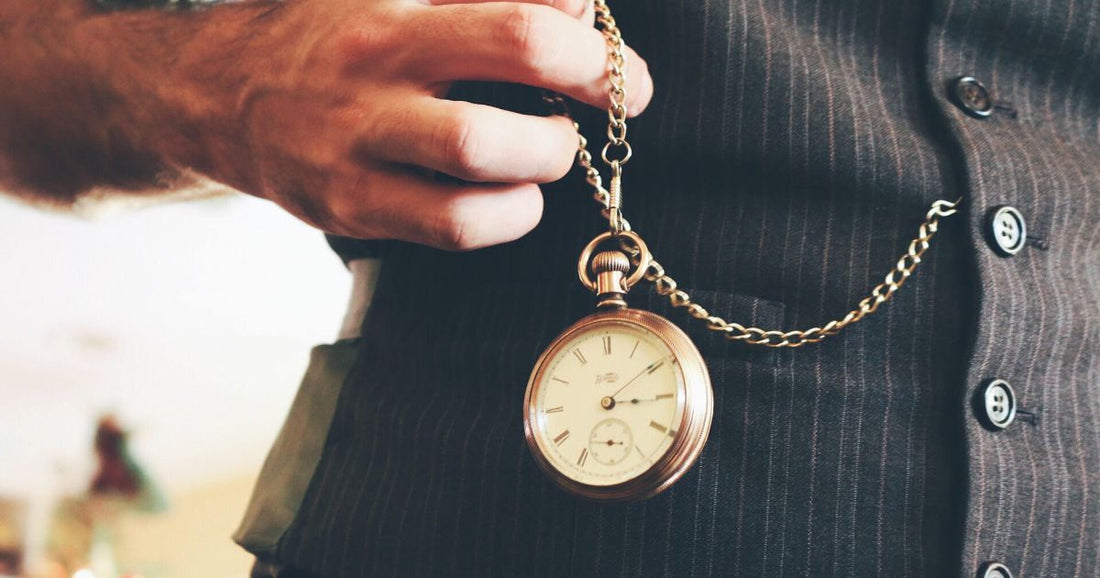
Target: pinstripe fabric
{"points": [[1032, 500], [789, 154]]}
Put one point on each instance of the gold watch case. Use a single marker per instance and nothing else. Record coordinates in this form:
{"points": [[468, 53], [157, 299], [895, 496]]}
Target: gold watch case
{"points": [[695, 407]]}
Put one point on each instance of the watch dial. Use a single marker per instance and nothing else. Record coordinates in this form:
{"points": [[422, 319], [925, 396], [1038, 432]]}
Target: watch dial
{"points": [[608, 404]]}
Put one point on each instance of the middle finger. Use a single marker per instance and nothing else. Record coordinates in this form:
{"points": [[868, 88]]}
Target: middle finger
{"points": [[522, 43]]}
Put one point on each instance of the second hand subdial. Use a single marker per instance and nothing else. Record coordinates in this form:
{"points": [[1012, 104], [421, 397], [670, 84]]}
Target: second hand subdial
{"points": [[610, 441]]}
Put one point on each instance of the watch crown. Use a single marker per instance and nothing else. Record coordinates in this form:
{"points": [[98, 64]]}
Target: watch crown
{"points": [[606, 261], [610, 268]]}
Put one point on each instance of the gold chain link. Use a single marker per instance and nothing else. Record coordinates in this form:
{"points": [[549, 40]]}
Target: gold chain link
{"points": [[882, 292], [665, 285]]}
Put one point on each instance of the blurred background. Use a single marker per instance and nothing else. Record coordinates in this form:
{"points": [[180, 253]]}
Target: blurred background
{"points": [[179, 332]]}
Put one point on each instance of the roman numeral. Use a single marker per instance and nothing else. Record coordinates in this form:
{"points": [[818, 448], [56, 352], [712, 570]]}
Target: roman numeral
{"points": [[558, 409], [561, 438], [583, 457], [658, 426], [607, 345], [580, 356]]}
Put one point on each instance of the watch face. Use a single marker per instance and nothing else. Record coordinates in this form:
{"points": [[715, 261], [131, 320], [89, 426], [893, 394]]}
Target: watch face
{"points": [[608, 403]]}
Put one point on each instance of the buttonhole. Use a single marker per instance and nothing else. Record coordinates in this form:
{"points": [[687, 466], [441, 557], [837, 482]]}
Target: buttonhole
{"points": [[1027, 416], [1038, 242], [1005, 107]]}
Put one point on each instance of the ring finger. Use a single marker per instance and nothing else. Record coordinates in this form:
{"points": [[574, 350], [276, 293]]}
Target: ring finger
{"points": [[471, 141]]}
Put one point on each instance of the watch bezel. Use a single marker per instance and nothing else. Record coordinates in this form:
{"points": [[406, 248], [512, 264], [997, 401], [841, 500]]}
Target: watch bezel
{"points": [[696, 410]]}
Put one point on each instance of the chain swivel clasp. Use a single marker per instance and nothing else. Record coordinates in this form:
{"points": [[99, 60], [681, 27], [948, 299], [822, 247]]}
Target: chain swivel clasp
{"points": [[615, 199]]}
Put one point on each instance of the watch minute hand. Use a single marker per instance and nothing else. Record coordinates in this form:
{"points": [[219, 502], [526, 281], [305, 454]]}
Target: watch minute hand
{"points": [[640, 373]]}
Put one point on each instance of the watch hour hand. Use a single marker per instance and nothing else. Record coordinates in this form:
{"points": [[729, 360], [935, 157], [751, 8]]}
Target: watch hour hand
{"points": [[659, 397]]}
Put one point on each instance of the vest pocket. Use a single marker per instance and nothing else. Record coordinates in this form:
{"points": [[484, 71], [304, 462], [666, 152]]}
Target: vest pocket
{"points": [[294, 457]]}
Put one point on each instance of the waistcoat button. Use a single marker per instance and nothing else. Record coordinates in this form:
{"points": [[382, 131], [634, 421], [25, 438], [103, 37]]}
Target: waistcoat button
{"points": [[994, 570], [972, 96], [1007, 230], [998, 404]]}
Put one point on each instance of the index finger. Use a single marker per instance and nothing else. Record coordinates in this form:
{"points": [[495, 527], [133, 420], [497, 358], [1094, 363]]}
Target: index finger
{"points": [[522, 43]]}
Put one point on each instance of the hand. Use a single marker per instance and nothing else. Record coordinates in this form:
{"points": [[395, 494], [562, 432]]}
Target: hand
{"points": [[332, 109]]}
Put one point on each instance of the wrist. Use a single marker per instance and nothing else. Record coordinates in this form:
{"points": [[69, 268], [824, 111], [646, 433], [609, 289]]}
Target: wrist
{"points": [[52, 142], [171, 84], [120, 100]]}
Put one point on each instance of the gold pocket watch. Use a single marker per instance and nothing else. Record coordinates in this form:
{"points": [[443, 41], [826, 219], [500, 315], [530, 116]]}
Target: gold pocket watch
{"points": [[619, 405]]}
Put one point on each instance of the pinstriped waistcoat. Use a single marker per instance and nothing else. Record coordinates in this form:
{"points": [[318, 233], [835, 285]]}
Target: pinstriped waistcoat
{"points": [[789, 154]]}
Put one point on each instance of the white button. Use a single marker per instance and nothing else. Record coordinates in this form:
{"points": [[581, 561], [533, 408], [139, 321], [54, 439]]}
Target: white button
{"points": [[994, 570], [1008, 230], [999, 402]]}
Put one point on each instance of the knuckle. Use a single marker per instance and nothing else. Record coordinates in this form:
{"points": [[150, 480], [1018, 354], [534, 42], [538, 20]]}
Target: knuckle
{"points": [[317, 212], [342, 211], [455, 228], [369, 41], [524, 35], [343, 216], [458, 140]]}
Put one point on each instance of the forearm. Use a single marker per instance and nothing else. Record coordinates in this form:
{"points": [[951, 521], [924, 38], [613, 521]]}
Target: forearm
{"points": [[334, 110], [91, 98]]}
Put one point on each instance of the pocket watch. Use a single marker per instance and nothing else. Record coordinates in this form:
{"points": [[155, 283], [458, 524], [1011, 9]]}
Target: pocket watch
{"points": [[619, 405]]}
